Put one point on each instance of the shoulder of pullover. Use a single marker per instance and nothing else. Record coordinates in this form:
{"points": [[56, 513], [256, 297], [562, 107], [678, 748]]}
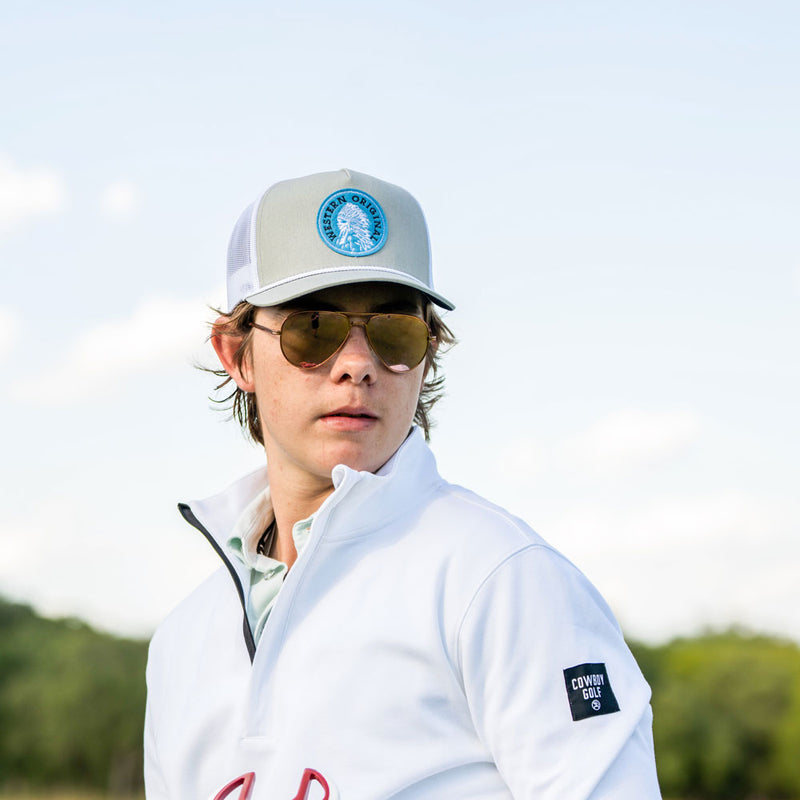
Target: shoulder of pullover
{"points": [[485, 528]]}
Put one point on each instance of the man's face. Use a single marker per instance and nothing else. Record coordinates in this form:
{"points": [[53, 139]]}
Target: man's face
{"points": [[350, 410]]}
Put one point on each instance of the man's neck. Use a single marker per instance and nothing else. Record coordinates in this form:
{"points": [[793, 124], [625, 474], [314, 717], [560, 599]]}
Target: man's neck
{"points": [[292, 500]]}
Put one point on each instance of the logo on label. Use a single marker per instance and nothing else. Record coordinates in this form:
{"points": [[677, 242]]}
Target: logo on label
{"points": [[352, 223], [589, 691]]}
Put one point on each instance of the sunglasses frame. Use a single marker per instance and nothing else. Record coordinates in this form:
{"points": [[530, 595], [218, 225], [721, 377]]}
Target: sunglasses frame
{"points": [[366, 316]]}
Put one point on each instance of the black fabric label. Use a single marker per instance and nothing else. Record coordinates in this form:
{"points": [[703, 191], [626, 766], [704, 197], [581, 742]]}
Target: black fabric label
{"points": [[589, 691]]}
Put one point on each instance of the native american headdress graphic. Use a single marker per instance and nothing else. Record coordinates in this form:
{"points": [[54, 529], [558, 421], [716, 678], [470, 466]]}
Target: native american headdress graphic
{"points": [[354, 229]]}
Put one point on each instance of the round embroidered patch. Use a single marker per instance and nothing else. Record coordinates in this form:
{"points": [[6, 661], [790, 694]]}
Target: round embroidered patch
{"points": [[352, 223]]}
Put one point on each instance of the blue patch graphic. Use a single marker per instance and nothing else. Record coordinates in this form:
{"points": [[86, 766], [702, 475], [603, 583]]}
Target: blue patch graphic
{"points": [[352, 223]]}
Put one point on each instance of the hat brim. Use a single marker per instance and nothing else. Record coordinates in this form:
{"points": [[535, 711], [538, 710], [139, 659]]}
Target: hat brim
{"points": [[315, 280]]}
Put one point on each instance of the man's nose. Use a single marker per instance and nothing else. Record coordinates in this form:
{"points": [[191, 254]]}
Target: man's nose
{"points": [[355, 360]]}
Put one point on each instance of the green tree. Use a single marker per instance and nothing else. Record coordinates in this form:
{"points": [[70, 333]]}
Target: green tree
{"points": [[727, 716], [71, 703]]}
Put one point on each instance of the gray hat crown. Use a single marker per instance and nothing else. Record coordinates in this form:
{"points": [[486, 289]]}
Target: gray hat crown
{"points": [[325, 230]]}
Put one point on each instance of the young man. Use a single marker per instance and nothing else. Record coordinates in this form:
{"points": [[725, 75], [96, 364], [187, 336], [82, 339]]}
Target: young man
{"points": [[378, 633]]}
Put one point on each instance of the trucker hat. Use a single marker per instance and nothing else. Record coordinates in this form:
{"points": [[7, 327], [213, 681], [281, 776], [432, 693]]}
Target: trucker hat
{"points": [[324, 230]]}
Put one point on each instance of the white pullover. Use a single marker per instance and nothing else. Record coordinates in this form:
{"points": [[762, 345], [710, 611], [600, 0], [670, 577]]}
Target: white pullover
{"points": [[426, 644]]}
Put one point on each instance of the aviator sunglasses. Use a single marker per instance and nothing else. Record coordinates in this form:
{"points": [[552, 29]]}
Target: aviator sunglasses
{"points": [[310, 338]]}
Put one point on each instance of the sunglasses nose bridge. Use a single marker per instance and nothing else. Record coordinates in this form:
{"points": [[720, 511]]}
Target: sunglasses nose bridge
{"points": [[356, 323], [363, 322], [355, 355]]}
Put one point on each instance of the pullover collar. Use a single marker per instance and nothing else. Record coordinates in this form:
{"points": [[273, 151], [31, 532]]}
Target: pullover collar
{"points": [[373, 499]]}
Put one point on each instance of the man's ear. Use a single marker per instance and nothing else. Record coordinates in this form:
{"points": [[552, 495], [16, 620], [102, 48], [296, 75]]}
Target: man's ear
{"points": [[226, 345]]}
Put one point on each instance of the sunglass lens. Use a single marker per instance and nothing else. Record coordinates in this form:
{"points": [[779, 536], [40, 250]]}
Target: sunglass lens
{"points": [[400, 341], [308, 338]]}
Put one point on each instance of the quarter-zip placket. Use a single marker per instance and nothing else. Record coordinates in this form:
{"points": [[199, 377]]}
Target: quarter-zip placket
{"points": [[189, 516], [293, 577]]}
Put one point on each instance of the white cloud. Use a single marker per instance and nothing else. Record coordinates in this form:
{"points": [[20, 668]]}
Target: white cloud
{"points": [[120, 200], [673, 523], [629, 439], [26, 194], [681, 563], [60, 577], [160, 332], [522, 460], [9, 327]]}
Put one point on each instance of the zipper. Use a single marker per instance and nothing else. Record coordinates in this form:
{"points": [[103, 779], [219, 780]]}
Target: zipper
{"points": [[188, 515]]}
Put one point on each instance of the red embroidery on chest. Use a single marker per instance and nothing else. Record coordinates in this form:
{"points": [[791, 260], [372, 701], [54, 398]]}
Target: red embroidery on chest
{"points": [[308, 776], [246, 781]]}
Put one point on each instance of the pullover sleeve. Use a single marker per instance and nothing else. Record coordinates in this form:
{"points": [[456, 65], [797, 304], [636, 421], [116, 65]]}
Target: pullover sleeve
{"points": [[554, 692]]}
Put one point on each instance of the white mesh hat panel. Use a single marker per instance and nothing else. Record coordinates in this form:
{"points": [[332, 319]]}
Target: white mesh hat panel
{"points": [[242, 273]]}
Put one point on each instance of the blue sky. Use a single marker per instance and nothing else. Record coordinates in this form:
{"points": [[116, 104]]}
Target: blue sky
{"points": [[612, 196]]}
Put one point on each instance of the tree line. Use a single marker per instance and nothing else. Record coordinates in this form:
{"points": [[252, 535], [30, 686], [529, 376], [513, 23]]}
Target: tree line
{"points": [[726, 706]]}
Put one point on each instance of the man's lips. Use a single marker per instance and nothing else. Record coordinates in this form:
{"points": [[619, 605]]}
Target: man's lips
{"points": [[357, 412], [350, 418]]}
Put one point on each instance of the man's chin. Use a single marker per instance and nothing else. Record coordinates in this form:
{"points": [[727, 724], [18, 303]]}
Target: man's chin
{"points": [[360, 459]]}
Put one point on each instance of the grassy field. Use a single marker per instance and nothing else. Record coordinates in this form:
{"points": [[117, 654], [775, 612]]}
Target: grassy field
{"points": [[65, 795]]}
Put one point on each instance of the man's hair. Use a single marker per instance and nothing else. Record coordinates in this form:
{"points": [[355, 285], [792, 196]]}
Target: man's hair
{"points": [[243, 405]]}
